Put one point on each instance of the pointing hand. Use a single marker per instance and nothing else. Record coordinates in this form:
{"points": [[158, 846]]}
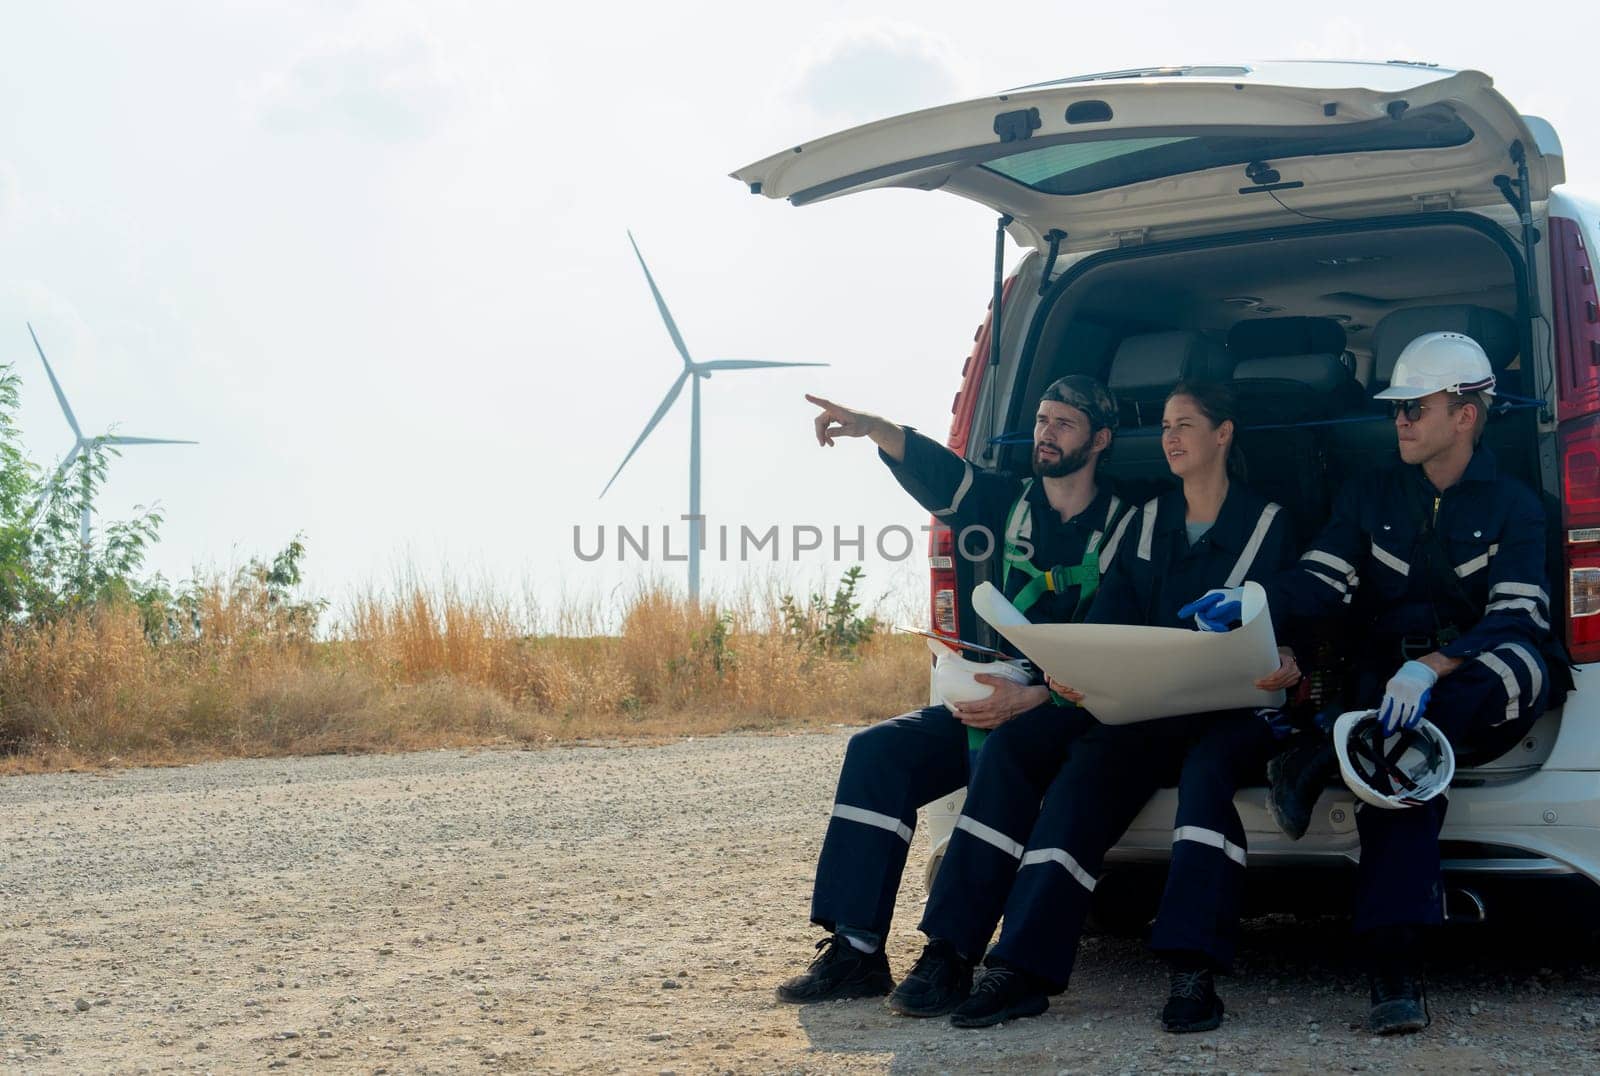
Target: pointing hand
{"points": [[837, 421]]}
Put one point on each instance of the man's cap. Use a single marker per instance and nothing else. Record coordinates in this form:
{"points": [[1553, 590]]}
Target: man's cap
{"points": [[1087, 395]]}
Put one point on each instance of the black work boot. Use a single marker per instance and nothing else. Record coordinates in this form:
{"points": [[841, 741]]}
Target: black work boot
{"points": [[1296, 776], [1002, 993], [1192, 1002], [1394, 970], [840, 970], [940, 980]]}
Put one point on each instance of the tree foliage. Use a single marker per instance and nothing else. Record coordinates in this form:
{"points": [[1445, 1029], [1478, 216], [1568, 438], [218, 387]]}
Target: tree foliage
{"points": [[48, 569], [829, 626]]}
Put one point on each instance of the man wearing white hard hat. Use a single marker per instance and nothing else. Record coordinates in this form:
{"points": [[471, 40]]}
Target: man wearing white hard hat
{"points": [[1053, 534], [1442, 560]]}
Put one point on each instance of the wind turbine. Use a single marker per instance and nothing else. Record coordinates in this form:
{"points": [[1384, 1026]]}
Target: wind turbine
{"points": [[81, 443], [698, 371]]}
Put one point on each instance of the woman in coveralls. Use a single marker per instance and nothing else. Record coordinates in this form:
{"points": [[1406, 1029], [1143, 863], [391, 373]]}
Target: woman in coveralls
{"points": [[1211, 533]]}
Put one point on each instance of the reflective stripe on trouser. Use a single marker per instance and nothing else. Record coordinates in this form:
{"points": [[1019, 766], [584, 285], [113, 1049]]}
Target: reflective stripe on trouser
{"points": [[1015, 767], [889, 771], [1109, 775], [1200, 906], [1398, 881]]}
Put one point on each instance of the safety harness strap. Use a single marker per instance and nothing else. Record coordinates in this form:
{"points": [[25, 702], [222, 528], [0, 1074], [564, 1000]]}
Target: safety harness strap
{"points": [[1084, 575]]}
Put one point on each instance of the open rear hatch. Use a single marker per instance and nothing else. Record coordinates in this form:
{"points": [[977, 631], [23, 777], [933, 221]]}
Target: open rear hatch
{"points": [[1090, 163]]}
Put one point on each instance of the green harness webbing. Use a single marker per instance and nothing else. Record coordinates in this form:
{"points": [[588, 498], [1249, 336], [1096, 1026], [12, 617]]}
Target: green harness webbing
{"points": [[1085, 575]]}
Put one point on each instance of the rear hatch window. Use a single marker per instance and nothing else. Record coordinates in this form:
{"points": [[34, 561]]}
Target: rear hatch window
{"points": [[1085, 166]]}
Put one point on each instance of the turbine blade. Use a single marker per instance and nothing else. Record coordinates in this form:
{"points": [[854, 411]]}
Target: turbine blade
{"points": [[661, 305], [666, 405], [749, 364], [66, 461], [111, 440], [61, 397], [61, 469]]}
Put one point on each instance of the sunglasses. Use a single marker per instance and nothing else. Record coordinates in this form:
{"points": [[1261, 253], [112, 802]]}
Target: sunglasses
{"points": [[1412, 409]]}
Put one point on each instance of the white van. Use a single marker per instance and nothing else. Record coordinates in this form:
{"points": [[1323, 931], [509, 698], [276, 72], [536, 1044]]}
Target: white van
{"points": [[1287, 227]]}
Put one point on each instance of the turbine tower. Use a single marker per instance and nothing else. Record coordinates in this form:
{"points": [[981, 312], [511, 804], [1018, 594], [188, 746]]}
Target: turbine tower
{"points": [[698, 371], [82, 443]]}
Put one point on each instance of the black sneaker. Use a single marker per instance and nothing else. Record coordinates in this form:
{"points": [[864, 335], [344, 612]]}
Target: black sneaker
{"points": [[1000, 994], [1192, 1002], [1296, 776], [940, 980], [840, 970], [1394, 964]]}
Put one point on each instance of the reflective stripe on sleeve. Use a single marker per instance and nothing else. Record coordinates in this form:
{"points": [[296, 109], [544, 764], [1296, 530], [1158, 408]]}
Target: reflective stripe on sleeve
{"points": [[1389, 560], [1210, 837], [961, 492], [990, 835], [1241, 567], [1526, 605], [1519, 590], [873, 818], [1343, 567], [1067, 863], [1332, 582], [1507, 678], [1535, 676]]}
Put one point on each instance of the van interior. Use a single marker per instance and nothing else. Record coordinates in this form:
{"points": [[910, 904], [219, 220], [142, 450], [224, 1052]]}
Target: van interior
{"points": [[1306, 327]]}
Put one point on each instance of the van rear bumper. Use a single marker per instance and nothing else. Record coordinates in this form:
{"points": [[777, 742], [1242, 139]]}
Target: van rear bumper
{"points": [[1544, 823]]}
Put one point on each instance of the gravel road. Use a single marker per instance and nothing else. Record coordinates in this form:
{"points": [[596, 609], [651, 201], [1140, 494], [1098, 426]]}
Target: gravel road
{"points": [[598, 908]]}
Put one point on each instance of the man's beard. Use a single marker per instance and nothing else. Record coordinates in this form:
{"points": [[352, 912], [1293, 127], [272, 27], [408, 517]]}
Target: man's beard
{"points": [[1064, 464]]}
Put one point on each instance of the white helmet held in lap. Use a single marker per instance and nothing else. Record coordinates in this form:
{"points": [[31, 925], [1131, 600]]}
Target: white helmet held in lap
{"points": [[1440, 362], [1406, 769], [954, 677]]}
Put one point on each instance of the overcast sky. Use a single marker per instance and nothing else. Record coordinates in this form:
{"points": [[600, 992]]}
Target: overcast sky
{"points": [[373, 255]]}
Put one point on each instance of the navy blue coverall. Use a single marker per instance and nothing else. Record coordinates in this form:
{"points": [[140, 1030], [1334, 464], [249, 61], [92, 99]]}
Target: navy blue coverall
{"points": [[1113, 770], [901, 764], [1492, 530]]}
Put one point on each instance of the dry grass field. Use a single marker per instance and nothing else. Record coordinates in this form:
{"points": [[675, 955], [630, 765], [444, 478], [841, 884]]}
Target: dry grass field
{"points": [[415, 666]]}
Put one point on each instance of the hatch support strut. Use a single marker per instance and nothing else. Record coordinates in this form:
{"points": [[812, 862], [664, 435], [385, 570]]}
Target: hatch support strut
{"points": [[1517, 193], [994, 315]]}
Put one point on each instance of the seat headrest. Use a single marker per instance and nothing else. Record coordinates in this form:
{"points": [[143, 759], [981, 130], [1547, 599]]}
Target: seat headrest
{"points": [[1261, 337], [1494, 332], [1322, 374], [1157, 360]]}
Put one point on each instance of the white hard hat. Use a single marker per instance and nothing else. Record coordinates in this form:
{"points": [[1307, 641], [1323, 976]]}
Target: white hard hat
{"points": [[1406, 769], [1440, 362], [954, 676]]}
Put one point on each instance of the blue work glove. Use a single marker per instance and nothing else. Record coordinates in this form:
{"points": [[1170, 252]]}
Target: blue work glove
{"points": [[1215, 610], [1406, 697]]}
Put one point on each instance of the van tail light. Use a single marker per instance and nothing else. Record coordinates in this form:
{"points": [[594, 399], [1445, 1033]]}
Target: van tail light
{"points": [[1576, 307], [1580, 473], [943, 608], [1577, 351]]}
